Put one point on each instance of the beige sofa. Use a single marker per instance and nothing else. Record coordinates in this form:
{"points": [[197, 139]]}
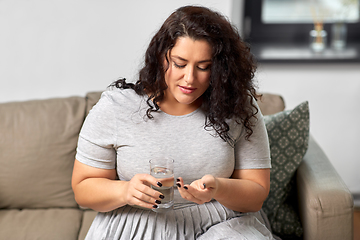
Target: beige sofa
{"points": [[37, 149]]}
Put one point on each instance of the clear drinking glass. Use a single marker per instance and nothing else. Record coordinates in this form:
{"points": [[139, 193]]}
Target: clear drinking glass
{"points": [[338, 38], [163, 169]]}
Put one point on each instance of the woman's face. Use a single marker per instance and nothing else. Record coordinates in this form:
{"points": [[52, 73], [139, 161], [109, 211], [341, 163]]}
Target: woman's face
{"points": [[187, 76]]}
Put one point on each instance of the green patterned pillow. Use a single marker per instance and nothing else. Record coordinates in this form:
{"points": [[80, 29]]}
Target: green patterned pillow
{"points": [[288, 137]]}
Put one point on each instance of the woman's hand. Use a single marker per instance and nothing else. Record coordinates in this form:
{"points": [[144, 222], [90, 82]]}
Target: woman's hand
{"points": [[138, 191], [245, 191], [199, 191], [99, 189]]}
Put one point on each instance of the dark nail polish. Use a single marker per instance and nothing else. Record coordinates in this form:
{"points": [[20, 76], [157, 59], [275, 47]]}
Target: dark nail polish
{"points": [[178, 184], [186, 187], [159, 184], [162, 196], [155, 206], [158, 201], [178, 180]]}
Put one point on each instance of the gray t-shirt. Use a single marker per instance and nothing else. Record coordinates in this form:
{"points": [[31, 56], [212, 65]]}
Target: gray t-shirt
{"points": [[118, 134]]}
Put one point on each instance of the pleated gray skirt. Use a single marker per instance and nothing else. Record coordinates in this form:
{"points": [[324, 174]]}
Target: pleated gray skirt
{"points": [[208, 221]]}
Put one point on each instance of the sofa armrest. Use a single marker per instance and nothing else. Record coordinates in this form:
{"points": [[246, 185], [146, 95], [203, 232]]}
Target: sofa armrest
{"points": [[325, 202]]}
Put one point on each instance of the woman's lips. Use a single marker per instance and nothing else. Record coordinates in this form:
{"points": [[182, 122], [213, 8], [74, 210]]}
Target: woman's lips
{"points": [[187, 90]]}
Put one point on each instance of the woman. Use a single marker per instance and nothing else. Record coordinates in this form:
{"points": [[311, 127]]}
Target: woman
{"points": [[195, 102]]}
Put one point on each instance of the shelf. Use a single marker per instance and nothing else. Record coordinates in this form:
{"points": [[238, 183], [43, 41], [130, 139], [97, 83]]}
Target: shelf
{"points": [[288, 53]]}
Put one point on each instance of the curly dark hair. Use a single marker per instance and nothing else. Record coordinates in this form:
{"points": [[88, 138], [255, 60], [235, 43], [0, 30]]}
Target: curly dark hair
{"points": [[231, 92]]}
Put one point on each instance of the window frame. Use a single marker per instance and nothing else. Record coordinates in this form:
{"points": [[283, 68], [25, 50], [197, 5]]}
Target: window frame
{"points": [[259, 32]]}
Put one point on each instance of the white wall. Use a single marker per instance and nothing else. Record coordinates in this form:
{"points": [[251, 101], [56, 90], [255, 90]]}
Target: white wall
{"points": [[57, 48], [52, 48]]}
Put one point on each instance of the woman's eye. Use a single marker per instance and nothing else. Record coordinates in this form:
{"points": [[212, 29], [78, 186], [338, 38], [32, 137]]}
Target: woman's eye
{"points": [[205, 68], [178, 65], [201, 68]]}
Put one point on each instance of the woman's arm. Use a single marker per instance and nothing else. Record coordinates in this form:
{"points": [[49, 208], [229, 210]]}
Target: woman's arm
{"points": [[100, 190], [244, 192]]}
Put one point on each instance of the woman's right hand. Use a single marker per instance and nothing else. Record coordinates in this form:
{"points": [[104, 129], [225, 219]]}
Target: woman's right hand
{"points": [[99, 189], [138, 191]]}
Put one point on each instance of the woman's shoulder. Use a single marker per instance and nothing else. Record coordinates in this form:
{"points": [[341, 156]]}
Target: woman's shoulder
{"points": [[118, 96], [118, 100]]}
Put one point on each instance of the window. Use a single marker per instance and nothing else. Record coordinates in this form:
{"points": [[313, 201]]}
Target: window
{"points": [[279, 29], [286, 30]]}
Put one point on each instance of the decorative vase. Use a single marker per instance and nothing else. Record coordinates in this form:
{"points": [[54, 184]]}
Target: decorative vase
{"points": [[318, 40]]}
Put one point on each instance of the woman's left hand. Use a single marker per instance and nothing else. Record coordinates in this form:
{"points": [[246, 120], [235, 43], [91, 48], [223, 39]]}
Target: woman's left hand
{"points": [[199, 191]]}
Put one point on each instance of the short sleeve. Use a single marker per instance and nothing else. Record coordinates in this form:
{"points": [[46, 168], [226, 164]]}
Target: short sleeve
{"points": [[255, 152], [97, 138]]}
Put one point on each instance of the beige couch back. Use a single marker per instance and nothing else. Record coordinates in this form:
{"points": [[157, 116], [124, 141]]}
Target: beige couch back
{"points": [[37, 149]]}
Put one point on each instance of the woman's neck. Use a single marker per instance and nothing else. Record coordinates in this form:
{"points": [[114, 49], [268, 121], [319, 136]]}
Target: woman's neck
{"points": [[178, 109]]}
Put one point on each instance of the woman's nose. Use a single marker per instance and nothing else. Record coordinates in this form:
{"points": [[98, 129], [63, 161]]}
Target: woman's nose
{"points": [[190, 75]]}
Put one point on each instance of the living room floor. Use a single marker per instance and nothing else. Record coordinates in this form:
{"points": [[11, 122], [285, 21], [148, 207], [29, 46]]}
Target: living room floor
{"points": [[357, 223]]}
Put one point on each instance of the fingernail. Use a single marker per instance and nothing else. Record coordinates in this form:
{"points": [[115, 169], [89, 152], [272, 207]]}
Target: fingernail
{"points": [[186, 187], [178, 184], [178, 180], [158, 201], [162, 196], [155, 206], [159, 184]]}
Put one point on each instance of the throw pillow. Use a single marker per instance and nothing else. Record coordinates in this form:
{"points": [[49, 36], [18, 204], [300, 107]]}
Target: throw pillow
{"points": [[288, 133]]}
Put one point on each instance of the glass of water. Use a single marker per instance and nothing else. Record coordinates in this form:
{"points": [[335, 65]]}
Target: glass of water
{"points": [[162, 168]]}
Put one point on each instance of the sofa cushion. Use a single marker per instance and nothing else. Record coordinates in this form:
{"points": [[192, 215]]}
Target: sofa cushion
{"points": [[88, 218], [288, 137], [40, 224], [271, 103], [37, 152], [91, 99]]}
